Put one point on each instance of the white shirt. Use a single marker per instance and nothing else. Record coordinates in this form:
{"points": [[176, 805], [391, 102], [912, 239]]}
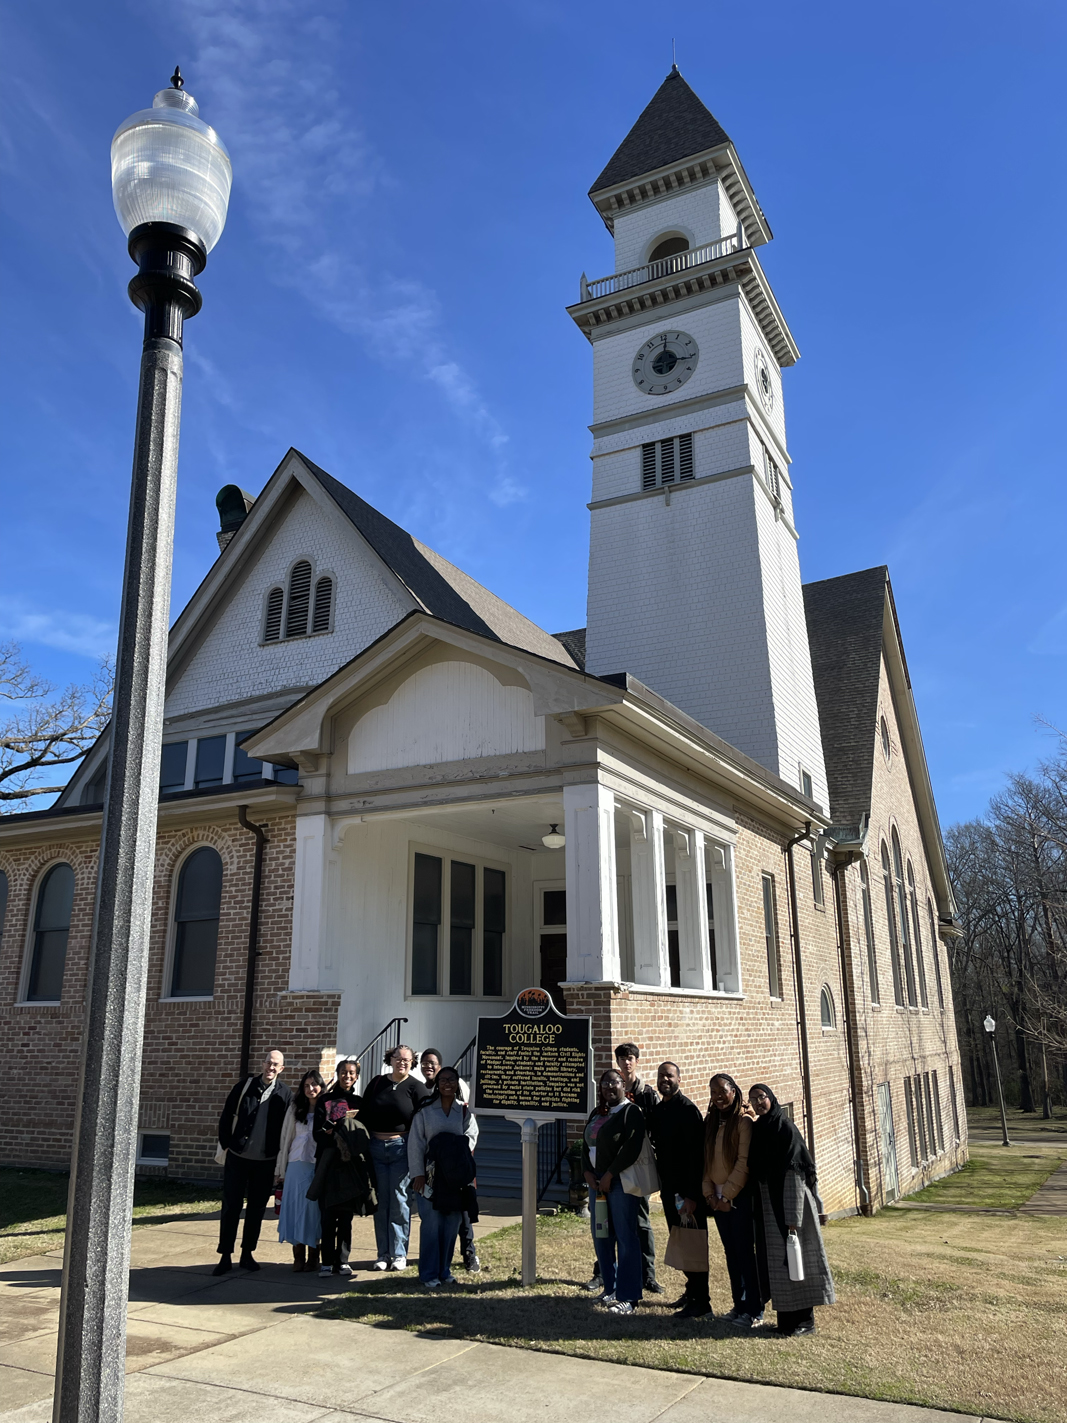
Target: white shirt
{"points": [[303, 1147]]}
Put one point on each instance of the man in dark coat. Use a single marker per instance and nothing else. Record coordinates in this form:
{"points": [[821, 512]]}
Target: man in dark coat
{"points": [[643, 1095], [250, 1130], [676, 1127]]}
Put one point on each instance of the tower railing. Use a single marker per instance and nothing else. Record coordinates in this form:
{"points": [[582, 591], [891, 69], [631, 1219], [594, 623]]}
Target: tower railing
{"points": [[665, 267]]}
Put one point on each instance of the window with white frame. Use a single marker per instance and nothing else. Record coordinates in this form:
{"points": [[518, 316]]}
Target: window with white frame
{"points": [[153, 1148], [666, 462], [935, 950], [916, 929], [770, 936], [868, 933], [197, 906], [53, 906], [827, 1012], [891, 920], [458, 926]]}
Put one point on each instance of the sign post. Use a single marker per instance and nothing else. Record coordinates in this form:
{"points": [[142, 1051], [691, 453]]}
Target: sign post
{"points": [[533, 1065]]}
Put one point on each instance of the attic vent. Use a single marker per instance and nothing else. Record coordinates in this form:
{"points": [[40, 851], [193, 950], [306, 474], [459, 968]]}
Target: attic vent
{"points": [[320, 619], [667, 461], [272, 625], [296, 622]]}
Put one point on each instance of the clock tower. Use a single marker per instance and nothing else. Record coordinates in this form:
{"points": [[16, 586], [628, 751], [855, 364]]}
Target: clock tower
{"points": [[694, 580]]}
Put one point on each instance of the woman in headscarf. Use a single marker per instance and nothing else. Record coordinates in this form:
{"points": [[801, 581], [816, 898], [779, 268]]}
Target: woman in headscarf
{"points": [[727, 1133], [783, 1172]]}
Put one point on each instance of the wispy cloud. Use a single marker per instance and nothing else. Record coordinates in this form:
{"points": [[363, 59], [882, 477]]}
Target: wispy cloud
{"points": [[305, 171], [69, 632], [1051, 637]]}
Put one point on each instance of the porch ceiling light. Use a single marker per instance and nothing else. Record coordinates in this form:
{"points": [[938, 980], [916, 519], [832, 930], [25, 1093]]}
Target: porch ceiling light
{"points": [[554, 840]]}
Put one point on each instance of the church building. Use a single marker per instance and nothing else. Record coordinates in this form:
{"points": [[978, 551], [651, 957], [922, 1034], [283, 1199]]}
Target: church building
{"points": [[389, 801]]}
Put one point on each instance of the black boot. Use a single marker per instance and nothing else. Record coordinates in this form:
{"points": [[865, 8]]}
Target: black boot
{"points": [[225, 1264], [247, 1261]]}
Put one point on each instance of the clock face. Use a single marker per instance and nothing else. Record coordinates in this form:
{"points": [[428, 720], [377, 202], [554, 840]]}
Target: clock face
{"points": [[764, 383], [665, 362]]}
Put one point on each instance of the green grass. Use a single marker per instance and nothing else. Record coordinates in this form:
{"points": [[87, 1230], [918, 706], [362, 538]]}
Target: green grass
{"points": [[996, 1176], [33, 1206]]}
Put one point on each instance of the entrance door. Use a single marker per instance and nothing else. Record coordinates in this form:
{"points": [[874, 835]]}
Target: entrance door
{"points": [[891, 1181], [554, 967]]}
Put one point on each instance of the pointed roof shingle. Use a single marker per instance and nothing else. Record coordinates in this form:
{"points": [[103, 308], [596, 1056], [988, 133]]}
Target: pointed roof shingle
{"points": [[674, 125]]}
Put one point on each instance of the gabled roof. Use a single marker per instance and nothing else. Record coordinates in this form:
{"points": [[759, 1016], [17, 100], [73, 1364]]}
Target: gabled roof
{"points": [[674, 124], [845, 617]]}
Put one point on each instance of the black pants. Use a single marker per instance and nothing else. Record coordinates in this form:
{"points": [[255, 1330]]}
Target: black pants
{"points": [[648, 1242], [735, 1232], [466, 1238], [790, 1319], [696, 1281], [336, 1235], [242, 1181]]}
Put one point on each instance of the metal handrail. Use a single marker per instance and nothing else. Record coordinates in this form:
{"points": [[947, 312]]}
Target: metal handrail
{"points": [[378, 1045], [464, 1064], [665, 267]]}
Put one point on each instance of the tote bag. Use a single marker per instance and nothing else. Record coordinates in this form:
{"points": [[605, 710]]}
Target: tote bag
{"points": [[220, 1150], [687, 1249], [642, 1178]]}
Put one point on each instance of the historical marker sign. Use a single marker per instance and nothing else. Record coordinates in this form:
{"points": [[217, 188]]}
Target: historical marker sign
{"points": [[534, 1061]]}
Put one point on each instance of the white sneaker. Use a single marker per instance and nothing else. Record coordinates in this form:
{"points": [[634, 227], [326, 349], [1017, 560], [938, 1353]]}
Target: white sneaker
{"points": [[621, 1306], [398, 1262], [607, 1299], [346, 1269], [431, 1284], [381, 1265]]}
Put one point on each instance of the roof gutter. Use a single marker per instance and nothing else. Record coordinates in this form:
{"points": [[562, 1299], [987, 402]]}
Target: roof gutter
{"points": [[848, 987], [253, 934]]}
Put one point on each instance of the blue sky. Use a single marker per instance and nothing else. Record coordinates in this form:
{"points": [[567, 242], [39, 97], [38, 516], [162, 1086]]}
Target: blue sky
{"points": [[409, 220]]}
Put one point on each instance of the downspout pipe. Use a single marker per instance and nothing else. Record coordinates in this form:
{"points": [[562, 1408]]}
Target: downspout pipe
{"points": [[851, 1045], [798, 986], [253, 934]]}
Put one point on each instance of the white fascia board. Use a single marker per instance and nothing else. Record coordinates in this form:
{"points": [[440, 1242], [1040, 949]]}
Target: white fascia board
{"points": [[302, 727]]}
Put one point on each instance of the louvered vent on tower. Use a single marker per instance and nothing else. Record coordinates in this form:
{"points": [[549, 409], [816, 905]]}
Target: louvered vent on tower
{"points": [[272, 625], [320, 618], [296, 619], [666, 461], [685, 457], [648, 466]]}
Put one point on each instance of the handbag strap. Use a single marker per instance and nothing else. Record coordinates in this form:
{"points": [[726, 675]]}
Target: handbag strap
{"points": [[236, 1110]]}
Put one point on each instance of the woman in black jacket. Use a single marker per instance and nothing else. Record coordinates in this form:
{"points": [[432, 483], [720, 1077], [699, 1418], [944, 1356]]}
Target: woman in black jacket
{"points": [[611, 1142], [344, 1183]]}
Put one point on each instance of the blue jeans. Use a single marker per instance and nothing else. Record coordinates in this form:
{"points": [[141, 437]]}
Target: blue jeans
{"points": [[437, 1240], [619, 1253], [392, 1219], [735, 1232]]}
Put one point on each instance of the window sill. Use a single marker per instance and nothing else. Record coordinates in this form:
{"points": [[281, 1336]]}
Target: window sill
{"points": [[684, 992], [39, 1003], [189, 998]]}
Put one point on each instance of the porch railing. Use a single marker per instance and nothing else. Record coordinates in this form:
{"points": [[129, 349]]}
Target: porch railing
{"points": [[551, 1151], [375, 1051], [665, 267], [464, 1064]]}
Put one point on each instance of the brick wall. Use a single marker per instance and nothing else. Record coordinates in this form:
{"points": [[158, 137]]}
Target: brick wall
{"points": [[191, 1048]]}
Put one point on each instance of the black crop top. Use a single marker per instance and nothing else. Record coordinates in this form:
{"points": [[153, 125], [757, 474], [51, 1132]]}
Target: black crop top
{"points": [[389, 1106]]}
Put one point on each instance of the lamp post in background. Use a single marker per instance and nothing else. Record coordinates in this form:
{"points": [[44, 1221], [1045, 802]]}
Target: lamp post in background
{"points": [[991, 1028], [170, 178]]}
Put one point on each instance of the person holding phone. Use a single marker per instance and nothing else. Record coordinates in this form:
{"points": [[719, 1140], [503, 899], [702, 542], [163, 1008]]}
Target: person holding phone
{"points": [[727, 1137]]}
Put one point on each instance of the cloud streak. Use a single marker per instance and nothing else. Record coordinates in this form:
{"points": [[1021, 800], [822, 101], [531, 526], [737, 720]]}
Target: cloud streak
{"points": [[69, 632], [304, 170]]}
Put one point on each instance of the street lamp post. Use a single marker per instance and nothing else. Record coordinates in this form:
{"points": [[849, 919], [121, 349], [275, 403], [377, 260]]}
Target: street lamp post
{"points": [[991, 1028], [171, 183]]}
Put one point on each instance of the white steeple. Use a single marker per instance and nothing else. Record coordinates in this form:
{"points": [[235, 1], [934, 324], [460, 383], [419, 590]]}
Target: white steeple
{"points": [[694, 580]]}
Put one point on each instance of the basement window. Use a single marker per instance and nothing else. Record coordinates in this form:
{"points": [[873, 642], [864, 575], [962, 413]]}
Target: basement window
{"points": [[153, 1148]]}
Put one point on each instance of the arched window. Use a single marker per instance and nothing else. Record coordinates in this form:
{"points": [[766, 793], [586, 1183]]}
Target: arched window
{"points": [[196, 925], [669, 247], [868, 932], [935, 949], [891, 919], [320, 617], [917, 933], [51, 930], [296, 617], [272, 623], [902, 911], [826, 1008], [3, 903], [887, 745]]}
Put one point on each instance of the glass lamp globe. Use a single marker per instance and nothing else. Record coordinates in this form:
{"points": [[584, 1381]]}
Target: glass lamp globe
{"points": [[168, 165], [554, 840], [990, 1024]]}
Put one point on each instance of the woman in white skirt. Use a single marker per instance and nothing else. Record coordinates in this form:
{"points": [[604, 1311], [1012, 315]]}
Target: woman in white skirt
{"points": [[300, 1221]]}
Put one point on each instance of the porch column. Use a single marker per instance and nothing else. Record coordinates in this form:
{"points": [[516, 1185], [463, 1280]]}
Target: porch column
{"points": [[309, 900], [592, 913], [694, 942], [651, 958]]}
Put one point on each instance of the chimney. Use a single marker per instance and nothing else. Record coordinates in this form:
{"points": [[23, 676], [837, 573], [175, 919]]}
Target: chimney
{"points": [[234, 505]]}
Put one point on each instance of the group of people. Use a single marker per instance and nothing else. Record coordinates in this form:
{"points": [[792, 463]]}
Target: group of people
{"points": [[744, 1165], [335, 1153]]}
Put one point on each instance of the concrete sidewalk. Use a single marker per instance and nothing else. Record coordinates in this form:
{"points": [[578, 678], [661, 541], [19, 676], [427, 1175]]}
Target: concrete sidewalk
{"points": [[244, 1349]]}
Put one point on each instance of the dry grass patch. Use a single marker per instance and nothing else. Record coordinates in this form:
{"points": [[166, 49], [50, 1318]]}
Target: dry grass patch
{"points": [[962, 1312], [33, 1209]]}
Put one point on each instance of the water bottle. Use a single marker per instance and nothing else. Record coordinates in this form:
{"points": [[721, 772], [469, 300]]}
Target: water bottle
{"points": [[601, 1224], [794, 1259]]}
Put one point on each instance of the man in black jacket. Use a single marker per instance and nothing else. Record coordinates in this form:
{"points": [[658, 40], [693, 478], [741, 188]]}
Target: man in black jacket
{"points": [[643, 1095], [677, 1130], [250, 1130]]}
